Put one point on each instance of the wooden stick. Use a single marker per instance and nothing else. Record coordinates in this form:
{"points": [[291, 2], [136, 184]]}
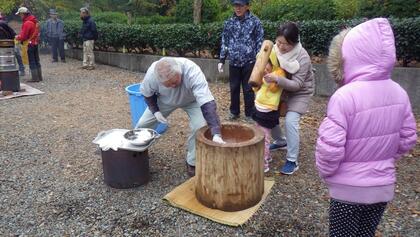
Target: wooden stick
{"points": [[255, 80]]}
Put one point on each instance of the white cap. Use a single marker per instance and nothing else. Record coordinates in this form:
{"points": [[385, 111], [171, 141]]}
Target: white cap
{"points": [[22, 10]]}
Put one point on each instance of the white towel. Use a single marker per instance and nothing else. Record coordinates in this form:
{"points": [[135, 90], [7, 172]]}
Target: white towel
{"points": [[288, 60]]}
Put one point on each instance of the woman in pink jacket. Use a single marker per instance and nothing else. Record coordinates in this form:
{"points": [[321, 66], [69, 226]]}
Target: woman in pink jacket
{"points": [[369, 126]]}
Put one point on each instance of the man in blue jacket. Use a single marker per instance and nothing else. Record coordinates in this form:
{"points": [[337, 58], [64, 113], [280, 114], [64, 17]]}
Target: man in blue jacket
{"points": [[241, 40], [55, 34], [89, 34]]}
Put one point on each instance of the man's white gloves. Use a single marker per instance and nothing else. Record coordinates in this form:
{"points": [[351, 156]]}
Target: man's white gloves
{"points": [[220, 67], [160, 118], [218, 139]]}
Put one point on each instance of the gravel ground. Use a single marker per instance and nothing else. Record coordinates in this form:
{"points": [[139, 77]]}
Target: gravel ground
{"points": [[51, 180]]}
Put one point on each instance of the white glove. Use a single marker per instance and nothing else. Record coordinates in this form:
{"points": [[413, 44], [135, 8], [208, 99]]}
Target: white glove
{"points": [[160, 118], [220, 67], [218, 139]]}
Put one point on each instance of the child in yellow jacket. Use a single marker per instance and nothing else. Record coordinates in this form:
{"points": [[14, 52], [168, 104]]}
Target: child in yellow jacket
{"points": [[267, 101]]}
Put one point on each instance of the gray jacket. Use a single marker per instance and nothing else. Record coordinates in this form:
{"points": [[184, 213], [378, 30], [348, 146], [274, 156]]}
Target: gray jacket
{"points": [[55, 29], [300, 87]]}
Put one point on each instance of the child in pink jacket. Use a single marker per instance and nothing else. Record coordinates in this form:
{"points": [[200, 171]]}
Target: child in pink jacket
{"points": [[369, 126]]}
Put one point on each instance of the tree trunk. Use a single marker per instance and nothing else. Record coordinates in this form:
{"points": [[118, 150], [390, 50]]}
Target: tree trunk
{"points": [[129, 18], [230, 176], [197, 11]]}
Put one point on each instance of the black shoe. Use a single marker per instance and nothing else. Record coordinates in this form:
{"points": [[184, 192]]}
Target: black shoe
{"points": [[63, 60], [54, 61], [39, 74], [190, 170], [98, 151], [233, 116], [34, 74], [249, 119]]}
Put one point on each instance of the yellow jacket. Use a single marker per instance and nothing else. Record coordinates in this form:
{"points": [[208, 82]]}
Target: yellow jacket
{"points": [[268, 96], [274, 61]]}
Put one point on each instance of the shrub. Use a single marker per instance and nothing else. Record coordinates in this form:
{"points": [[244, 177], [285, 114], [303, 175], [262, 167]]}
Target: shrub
{"points": [[346, 9], [257, 6], [110, 17], [407, 35], [282, 10], [184, 38], [154, 19], [371, 8], [7, 7], [388, 8], [225, 15], [402, 8], [70, 15], [105, 17], [209, 12]]}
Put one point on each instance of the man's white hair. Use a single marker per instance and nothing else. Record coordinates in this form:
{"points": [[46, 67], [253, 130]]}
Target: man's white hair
{"points": [[85, 10], [167, 68]]}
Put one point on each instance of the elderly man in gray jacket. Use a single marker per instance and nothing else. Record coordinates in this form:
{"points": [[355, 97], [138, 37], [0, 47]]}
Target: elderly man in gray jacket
{"points": [[56, 36], [173, 83]]}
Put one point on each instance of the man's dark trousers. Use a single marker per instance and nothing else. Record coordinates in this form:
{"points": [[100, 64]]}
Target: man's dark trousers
{"points": [[239, 76], [57, 47]]}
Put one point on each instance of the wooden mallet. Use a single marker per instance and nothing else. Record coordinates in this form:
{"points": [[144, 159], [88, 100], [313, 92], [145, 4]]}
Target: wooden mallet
{"points": [[255, 80]]}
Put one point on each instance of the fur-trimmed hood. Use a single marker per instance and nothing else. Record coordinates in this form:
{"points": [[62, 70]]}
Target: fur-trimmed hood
{"points": [[363, 53]]}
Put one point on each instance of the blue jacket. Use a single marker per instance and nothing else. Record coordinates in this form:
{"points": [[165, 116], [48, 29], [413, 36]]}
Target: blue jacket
{"points": [[241, 40], [88, 31], [55, 29]]}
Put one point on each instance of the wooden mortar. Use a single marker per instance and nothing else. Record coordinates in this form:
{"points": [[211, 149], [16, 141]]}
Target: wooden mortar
{"points": [[230, 176]]}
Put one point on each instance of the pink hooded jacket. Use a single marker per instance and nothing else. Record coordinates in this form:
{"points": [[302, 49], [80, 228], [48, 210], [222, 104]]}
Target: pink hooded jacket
{"points": [[369, 123]]}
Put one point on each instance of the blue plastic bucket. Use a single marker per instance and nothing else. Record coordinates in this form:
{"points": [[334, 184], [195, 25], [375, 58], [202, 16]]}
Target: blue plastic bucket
{"points": [[138, 106]]}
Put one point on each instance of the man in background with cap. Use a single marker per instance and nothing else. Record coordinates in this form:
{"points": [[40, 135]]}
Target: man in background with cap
{"points": [[55, 35], [89, 34], [29, 34], [241, 40]]}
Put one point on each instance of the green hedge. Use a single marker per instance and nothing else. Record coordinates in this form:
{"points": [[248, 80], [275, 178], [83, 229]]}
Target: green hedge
{"points": [[388, 8], [110, 17], [154, 19], [188, 38]]}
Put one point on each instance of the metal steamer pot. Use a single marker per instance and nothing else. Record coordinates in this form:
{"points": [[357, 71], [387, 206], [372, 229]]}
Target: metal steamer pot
{"points": [[9, 75]]}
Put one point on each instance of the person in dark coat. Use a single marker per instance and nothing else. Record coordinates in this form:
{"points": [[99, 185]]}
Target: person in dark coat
{"points": [[89, 34], [242, 37]]}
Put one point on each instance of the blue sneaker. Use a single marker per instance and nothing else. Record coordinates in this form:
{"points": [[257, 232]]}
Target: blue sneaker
{"points": [[289, 167], [275, 147]]}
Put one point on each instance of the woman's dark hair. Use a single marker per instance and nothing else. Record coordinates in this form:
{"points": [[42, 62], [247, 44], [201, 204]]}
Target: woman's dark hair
{"points": [[290, 32]]}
